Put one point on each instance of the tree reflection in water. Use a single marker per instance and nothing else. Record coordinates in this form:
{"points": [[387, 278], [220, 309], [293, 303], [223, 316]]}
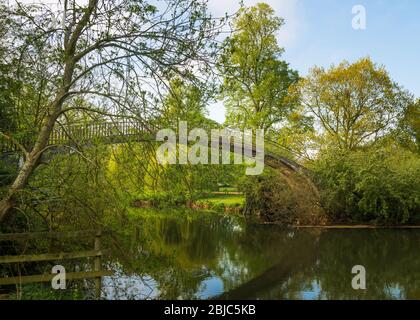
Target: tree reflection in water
{"points": [[202, 255]]}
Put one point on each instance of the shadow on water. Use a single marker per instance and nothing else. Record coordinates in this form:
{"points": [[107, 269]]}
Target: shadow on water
{"points": [[200, 256]]}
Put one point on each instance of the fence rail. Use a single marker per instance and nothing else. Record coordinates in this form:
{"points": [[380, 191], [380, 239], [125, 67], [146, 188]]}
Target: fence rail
{"points": [[47, 234], [48, 277], [52, 256], [96, 253]]}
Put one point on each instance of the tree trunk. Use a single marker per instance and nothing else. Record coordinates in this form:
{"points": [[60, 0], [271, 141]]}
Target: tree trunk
{"points": [[31, 162], [32, 159], [6, 205]]}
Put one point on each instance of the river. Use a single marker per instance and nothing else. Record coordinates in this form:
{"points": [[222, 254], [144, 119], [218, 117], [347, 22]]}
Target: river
{"points": [[200, 255]]}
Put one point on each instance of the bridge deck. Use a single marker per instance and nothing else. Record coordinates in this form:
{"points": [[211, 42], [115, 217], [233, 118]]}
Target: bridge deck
{"points": [[125, 131]]}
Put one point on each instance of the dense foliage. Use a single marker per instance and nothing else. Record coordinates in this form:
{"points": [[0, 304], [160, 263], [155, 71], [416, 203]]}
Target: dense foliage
{"points": [[284, 198], [255, 79], [353, 103], [371, 185]]}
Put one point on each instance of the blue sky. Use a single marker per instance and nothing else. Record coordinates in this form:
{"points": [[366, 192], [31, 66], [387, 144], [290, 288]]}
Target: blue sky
{"points": [[319, 32]]}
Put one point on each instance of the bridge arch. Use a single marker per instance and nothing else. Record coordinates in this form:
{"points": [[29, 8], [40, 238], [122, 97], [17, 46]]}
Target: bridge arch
{"points": [[113, 132]]}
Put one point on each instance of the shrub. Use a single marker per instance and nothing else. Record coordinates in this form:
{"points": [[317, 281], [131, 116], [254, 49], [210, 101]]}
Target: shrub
{"points": [[281, 198], [376, 185]]}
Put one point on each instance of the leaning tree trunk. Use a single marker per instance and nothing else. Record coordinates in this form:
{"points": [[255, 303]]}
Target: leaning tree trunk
{"points": [[54, 110], [33, 156], [31, 162]]}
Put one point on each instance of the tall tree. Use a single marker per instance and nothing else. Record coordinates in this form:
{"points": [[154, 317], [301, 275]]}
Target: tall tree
{"points": [[353, 103], [410, 126], [256, 81], [114, 53]]}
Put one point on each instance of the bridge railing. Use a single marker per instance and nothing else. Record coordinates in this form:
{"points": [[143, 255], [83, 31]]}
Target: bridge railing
{"points": [[82, 133], [91, 131], [66, 134]]}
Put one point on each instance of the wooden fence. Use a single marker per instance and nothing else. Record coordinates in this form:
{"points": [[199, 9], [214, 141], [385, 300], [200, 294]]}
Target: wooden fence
{"points": [[96, 253]]}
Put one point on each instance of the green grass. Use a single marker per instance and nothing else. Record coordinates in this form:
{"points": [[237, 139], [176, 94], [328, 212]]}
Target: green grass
{"points": [[228, 189], [226, 199]]}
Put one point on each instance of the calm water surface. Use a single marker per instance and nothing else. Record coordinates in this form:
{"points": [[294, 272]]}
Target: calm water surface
{"points": [[201, 256]]}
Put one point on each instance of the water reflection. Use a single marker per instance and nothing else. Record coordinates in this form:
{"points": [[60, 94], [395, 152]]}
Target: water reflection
{"points": [[200, 256]]}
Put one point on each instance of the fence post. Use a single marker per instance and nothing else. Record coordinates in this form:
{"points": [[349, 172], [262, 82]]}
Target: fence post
{"points": [[98, 265]]}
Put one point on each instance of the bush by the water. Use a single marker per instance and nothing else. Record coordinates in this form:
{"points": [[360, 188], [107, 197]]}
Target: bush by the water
{"points": [[376, 185], [282, 197]]}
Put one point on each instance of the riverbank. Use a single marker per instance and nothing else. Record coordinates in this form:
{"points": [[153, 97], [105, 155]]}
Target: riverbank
{"points": [[358, 226], [228, 202], [231, 201], [345, 226]]}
